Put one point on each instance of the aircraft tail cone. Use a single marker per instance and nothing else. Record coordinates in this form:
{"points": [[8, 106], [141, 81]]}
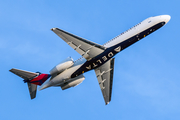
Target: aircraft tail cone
{"points": [[45, 85]]}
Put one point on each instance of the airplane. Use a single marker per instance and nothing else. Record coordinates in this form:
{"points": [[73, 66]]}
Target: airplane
{"points": [[100, 58]]}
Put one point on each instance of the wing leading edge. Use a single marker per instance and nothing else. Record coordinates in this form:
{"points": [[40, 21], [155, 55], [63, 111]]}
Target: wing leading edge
{"points": [[84, 47], [104, 75]]}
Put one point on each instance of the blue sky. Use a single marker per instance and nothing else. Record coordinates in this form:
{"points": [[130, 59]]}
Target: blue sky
{"points": [[146, 76]]}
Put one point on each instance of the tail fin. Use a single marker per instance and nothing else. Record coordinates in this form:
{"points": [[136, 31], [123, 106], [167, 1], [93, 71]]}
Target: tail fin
{"points": [[32, 79]]}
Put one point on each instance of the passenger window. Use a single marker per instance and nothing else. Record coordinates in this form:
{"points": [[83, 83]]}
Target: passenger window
{"points": [[149, 21]]}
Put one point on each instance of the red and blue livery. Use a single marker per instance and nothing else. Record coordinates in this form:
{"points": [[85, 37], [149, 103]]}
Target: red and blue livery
{"points": [[38, 80]]}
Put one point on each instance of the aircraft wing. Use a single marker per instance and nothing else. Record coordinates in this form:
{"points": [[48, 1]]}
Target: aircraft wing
{"points": [[84, 47], [104, 75], [23, 74]]}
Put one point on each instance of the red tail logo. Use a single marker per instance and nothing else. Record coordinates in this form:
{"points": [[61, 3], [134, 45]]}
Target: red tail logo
{"points": [[39, 80]]}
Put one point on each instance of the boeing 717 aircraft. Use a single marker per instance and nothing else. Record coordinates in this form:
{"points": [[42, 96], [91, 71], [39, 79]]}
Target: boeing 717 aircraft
{"points": [[100, 58]]}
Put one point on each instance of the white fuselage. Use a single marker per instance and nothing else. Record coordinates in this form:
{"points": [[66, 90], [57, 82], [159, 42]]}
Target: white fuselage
{"points": [[136, 30], [140, 27]]}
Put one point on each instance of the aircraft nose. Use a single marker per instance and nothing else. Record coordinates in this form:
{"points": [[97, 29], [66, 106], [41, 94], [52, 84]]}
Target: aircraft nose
{"points": [[166, 18]]}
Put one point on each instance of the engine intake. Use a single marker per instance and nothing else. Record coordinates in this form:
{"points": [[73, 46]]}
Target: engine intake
{"points": [[65, 64]]}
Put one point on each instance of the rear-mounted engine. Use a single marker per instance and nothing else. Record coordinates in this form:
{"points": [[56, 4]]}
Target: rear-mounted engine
{"points": [[73, 82], [65, 64]]}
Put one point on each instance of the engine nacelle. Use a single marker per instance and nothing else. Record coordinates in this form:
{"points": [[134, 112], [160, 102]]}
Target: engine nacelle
{"points": [[67, 63], [74, 82]]}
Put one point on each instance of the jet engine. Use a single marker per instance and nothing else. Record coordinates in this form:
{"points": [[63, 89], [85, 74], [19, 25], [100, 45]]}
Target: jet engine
{"points": [[65, 64], [73, 82]]}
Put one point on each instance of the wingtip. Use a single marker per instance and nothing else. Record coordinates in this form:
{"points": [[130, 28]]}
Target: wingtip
{"points": [[53, 29], [107, 103], [11, 70], [32, 98]]}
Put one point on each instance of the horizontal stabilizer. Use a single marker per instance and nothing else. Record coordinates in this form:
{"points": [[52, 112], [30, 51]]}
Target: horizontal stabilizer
{"points": [[27, 76], [23, 74], [32, 90]]}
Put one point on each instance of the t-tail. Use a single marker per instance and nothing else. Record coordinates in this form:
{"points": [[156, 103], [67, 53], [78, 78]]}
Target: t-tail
{"points": [[32, 79]]}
